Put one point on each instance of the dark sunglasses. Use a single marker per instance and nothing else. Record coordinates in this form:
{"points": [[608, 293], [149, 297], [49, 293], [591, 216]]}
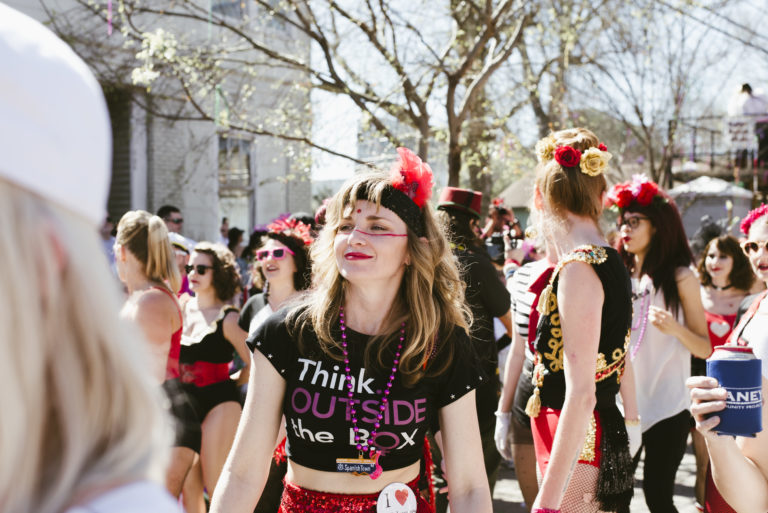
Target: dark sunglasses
{"points": [[178, 220], [752, 246], [633, 222], [277, 253], [200, 268]]}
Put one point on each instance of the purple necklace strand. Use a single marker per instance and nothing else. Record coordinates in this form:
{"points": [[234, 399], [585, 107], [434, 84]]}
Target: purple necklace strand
{"points": [[644, 319], [372, 451]]}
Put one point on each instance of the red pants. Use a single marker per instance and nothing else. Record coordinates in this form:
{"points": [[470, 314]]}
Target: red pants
{"points": [[544, 427]]}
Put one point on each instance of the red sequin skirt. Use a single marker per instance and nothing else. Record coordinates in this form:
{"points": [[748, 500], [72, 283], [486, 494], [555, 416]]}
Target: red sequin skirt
{"points": [[300, 500]]}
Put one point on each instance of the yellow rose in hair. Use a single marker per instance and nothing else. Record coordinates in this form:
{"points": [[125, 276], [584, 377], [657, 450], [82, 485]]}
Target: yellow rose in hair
{"points": [[594, 161], [545, 149]]}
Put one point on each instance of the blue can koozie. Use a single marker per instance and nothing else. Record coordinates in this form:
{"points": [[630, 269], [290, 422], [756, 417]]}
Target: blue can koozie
{"points": [[740, 373]]}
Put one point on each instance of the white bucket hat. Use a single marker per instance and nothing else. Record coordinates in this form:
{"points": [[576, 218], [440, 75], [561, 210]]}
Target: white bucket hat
{"points": [[55, 136]]}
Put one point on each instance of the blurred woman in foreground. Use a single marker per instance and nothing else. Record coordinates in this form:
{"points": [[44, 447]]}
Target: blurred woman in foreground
{"points": [[83, 429]]}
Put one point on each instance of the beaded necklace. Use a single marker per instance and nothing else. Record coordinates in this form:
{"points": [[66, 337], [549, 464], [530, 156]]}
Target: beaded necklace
{"points": [[373, 453], [641, 322]]}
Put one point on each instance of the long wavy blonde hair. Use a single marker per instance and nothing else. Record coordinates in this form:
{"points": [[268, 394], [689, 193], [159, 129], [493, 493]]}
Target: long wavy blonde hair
{"points": [[430, 300], [80, 412]]}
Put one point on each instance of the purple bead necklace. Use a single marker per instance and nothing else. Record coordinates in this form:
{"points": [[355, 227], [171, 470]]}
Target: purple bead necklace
{"points": [[641, 322], [372, 451]]}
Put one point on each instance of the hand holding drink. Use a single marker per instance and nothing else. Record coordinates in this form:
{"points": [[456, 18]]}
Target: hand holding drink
{"points": [[729, 400]]}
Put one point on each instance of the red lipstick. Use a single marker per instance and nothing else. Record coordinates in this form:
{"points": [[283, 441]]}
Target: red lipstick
{"points": [[353, 255]]}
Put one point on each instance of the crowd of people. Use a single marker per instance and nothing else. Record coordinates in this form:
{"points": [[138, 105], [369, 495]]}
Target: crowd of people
{"points": [[349, 361]]}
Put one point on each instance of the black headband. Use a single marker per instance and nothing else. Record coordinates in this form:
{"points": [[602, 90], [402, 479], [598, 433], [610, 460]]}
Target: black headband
{"points": [[399, 203]]}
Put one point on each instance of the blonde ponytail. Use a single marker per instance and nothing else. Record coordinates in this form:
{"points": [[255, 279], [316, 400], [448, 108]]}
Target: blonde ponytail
{"points": [[161, 265], [146, 237]]}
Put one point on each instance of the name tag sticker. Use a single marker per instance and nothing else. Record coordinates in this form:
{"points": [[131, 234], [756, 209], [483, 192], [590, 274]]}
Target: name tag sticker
{"points": [[357, 466], [396, 498]]}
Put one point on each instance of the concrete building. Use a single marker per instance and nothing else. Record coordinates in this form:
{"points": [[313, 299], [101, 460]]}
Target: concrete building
{"points": [[205, 168]]}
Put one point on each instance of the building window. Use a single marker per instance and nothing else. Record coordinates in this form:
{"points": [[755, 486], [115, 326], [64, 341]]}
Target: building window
{"points": [[234, 163], [235, 182]]}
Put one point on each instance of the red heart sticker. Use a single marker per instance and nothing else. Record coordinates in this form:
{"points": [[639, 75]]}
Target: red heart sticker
{"points": [[401, 496]]}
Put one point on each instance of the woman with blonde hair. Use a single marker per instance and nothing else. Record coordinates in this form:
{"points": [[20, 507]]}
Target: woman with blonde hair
{"points": [[580, 438], [209, 340], [375, 356], [82, 428], [146, 264]]}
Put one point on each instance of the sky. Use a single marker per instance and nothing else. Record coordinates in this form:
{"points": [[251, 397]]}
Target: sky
{"points": [[337, 119]]}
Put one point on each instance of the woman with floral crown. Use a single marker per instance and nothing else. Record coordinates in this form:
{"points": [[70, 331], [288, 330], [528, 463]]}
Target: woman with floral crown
{"points": [[585, 313], [375, 355], [668, 326], [281, 269]]}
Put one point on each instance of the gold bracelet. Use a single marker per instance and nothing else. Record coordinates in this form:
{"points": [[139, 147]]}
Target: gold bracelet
{"points": [[632, 422]]}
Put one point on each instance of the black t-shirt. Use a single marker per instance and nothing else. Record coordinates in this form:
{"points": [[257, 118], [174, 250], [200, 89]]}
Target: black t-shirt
{"points": [[250, 309], [315, 403], [487, 297]]}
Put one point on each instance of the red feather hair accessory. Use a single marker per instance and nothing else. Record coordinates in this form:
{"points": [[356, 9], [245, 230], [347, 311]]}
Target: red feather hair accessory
{"points": [[412, 177]]}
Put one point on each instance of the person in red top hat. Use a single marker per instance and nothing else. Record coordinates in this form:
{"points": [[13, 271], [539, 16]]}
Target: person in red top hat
{"points": [[459, 210]]}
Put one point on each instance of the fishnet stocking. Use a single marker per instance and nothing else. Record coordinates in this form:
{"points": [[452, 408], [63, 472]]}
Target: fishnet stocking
{"points": [[580, 495]]}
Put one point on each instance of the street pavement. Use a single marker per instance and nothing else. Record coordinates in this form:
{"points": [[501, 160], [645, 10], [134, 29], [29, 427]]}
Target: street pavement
{"points": [[508, 499]]}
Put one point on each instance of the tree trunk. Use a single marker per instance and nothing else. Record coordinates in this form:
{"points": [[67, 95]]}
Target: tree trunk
{"points": [[454, 159]]}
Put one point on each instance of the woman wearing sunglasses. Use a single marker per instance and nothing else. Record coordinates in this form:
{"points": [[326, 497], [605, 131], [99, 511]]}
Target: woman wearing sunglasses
{"points": [[726, 278], [668, 326], [738, 465], [211, 336], [280, 269], [374, 356]]}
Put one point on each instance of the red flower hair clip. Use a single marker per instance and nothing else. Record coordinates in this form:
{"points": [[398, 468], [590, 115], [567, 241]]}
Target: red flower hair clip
{"points": [[412, 177], [291, 227], [640, 190], [567, 156], [753, 216], [497, 202]]}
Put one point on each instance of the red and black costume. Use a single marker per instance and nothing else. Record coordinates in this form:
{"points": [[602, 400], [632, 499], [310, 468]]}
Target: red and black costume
{"points": [[187, 431], [606, 445], [204, 367]]}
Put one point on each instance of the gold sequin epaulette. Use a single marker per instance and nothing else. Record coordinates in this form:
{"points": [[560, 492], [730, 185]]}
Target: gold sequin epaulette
{"points": [[588, 253]]}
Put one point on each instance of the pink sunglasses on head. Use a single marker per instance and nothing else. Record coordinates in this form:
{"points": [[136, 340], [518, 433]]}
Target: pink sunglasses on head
{"points": [[277, 253]]}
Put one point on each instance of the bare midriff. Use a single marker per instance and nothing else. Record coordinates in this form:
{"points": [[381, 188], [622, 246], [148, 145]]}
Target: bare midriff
{"points": [[341, 482]]}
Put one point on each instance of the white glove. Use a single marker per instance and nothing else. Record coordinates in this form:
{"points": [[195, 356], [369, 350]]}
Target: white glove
{"points": [[635, 435], [502, 434]]}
